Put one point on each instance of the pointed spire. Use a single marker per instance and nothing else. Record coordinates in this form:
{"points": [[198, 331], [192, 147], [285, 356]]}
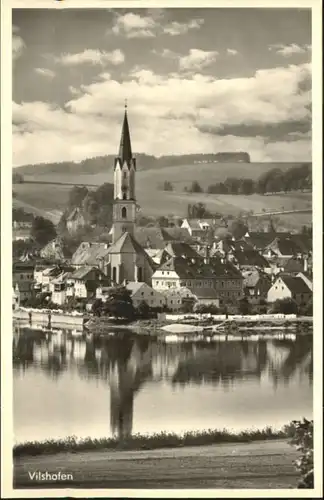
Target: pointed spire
{"points": [[125, 148]]}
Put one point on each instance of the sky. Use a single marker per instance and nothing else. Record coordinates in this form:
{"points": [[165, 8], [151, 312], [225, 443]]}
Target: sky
{"points": [[199, 80]]}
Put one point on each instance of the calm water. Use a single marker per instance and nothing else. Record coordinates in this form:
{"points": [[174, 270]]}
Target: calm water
{"points": [[99, 387]]}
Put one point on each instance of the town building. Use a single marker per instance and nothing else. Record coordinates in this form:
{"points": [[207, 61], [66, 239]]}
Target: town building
{"points": [[141, 292], [84, 281], [215, 273], [292, 287], [23, 279]]}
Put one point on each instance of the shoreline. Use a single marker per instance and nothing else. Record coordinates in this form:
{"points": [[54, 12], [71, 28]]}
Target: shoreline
{"points": [[158, 441]]}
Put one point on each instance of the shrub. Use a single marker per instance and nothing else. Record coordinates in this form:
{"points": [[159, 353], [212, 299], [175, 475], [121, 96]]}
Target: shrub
{"points": [[301, 435]]}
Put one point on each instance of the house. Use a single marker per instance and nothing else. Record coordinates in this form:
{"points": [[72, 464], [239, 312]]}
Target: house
{"points": [[262, 287], [292, 287], [142, 292], [284, 247], [157, 237], [21, 234], [197, 227], [15, 297], [59, 291], [249, 258], [307, 277], [84, 281], [90, 254], [55, 250], [214, 273], [23, 279], [176, 298], [75, 220], [45, 274], [296, 265], [206, 296], [178, 249], [258, 239]]}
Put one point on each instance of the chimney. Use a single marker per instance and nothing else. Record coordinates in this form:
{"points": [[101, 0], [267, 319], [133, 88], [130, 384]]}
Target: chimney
{"points": [[206, 259], [305, 264]]}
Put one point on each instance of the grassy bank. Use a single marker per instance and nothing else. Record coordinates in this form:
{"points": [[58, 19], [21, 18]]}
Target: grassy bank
{"points": [[148, 442]]}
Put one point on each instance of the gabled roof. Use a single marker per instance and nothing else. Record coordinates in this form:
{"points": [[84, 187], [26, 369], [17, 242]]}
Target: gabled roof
{"points": [[260, 240], [89, 253], [250, 258], [180, 249], [197, 269], [134, 286], [126, 243], [295, 284], [157, 237], [286, 245], [83, 272]]}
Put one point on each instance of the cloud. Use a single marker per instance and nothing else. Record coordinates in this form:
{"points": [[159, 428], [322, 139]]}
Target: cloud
{"points": [[47, 73], [197, 59], [232, 52], [175, 28], [93, 57], [133, 25], [289, 50], [18, 44], [267, 115]]}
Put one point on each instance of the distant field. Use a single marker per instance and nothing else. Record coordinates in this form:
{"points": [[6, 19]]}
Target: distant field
{"points": [[53, 199], [179, 175]]}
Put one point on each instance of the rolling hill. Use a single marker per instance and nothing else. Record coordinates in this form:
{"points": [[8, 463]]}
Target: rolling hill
{"points": [[151, 198]]}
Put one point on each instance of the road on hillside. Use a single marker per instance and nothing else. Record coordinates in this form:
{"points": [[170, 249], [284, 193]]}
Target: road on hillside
{"points": [[267, 464]]}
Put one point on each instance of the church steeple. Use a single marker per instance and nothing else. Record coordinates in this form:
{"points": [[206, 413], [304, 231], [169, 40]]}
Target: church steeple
{"points": [[125, 146], [124, 213]]}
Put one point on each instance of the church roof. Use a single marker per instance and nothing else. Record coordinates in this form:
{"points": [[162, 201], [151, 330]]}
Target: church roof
{"points": [[126, 244]]}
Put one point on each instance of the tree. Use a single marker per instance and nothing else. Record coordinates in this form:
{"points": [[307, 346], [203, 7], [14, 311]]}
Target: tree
{"points": [[17, 178], [143, 310], [285, 306], [97, 307], [163, 221], [42, 231], [195, 187], [167, 186], [77, 195], [244, 306], [119, 303]]}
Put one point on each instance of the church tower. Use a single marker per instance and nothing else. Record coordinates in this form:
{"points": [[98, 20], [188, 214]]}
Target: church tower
{"points": [[124, 209]]}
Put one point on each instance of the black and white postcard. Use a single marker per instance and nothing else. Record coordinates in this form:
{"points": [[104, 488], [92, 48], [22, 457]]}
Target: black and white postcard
{"points": [[161, 249]]}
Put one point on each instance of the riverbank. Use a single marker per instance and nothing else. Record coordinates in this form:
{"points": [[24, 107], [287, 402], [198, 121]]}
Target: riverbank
{"points": [[263, 464], [148, 442]]}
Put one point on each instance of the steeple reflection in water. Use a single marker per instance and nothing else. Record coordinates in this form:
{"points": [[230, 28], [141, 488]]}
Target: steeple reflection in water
{"points": [[127, 364]]}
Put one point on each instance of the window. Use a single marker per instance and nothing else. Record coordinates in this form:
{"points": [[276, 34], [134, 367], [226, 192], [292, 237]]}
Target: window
{"points": [[282, 288], [114, 273], [151, 293], [139, 274], [156, 282], [171, 302], [124, 213], [125, 175], [124, 196]]}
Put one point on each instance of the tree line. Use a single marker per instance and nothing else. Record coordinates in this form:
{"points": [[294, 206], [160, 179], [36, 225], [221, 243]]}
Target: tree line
{"points": [[273, 181]]}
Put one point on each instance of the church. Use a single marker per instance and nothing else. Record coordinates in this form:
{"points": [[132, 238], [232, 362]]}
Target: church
{"points": [[127, 259]]}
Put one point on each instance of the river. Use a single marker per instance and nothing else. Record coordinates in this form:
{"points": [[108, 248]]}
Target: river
{"points": [[67, 384]]}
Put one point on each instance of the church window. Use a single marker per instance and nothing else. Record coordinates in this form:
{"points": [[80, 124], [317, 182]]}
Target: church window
{"points": [[125, 175], [124, 196], [139, 274], [124, 213], [114, 273]]}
